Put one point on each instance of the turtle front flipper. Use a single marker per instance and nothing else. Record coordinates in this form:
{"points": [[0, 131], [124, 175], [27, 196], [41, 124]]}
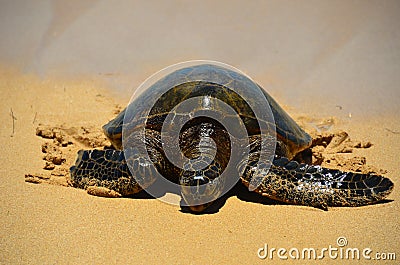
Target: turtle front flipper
{"points": [[310, 185], [107, 169]]}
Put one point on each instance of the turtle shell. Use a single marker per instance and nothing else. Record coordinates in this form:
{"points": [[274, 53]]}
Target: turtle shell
{"points": [[202, 83]]}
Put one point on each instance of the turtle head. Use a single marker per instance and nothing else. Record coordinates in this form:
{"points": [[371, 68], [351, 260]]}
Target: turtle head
{"points": [[113, 130], [201, 188], [206, 146]]}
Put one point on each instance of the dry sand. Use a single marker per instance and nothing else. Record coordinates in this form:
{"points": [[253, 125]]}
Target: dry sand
{"points": [[47, 223], [318, 58]]}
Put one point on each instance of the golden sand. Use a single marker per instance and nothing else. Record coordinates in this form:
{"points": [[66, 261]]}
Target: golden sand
{"points": [[51, 223]]}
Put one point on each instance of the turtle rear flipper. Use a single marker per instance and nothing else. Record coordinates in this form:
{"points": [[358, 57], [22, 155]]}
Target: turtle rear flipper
{"points": [[320, 187], [107, 169]]}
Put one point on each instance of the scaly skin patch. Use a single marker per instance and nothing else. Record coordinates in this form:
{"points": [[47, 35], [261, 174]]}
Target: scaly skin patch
{"points": [[295, 183]]}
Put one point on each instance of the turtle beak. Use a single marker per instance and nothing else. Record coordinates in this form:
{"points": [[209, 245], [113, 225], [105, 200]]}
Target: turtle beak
{"points": [[199, 192]]}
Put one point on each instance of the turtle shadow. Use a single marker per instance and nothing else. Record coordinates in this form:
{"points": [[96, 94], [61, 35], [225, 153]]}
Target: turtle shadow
{"points": [[384, 201], [212, 209], [143, 195], [155, 193], [239, 191], [244, 194]]}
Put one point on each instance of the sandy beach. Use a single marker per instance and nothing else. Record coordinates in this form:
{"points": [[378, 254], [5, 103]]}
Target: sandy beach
{"points": [[350, 85], [51, 223]]}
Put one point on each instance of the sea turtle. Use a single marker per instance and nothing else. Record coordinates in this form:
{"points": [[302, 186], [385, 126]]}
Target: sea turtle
{"points": [[205, 142]]}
